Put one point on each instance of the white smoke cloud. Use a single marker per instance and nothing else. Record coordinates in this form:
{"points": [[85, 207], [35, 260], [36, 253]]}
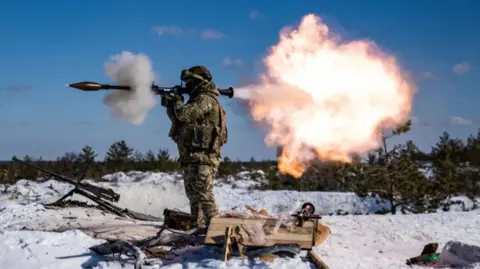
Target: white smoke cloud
{"points": [[461, 68], [134, 70]]}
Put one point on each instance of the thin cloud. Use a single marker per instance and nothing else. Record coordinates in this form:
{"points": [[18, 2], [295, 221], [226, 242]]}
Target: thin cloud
{"points": [[255, 14], [427, 75], [17, 87], [461, 68], [212, 34], [173, 30], [229, 62], [163, 30], [430, 76], [460, 121]]}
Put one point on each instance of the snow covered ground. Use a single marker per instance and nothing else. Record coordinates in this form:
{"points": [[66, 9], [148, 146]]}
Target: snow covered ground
{"points": [[32, 236]]}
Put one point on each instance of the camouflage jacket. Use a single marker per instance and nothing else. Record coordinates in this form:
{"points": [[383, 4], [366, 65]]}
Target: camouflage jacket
{"points": [[199, 127]]}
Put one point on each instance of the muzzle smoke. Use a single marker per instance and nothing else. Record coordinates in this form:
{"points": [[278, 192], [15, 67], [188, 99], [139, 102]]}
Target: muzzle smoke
{"points": [[134, 70]]}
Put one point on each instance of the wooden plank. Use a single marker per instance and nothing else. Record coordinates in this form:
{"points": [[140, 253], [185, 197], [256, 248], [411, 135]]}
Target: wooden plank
{"points": [[315, 258], [219, 224], [303, 236], [281, 235], [218, 228], [275, 237], [267, 222], [321, 235], [218, 240], [227, 245]]}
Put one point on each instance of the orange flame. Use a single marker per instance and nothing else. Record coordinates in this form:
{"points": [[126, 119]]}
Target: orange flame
{"points": [[325, 99]]}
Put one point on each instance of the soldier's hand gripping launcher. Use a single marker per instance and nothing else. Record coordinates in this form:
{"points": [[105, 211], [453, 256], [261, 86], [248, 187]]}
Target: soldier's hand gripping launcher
{"points": [[90, 86]]}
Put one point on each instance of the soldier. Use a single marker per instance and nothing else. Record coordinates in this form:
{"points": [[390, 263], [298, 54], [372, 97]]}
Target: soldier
{"points": [[199, 130]]}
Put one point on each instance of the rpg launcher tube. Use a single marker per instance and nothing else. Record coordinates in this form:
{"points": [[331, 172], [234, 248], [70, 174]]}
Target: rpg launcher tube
{"points": [[229, 92], [95, 86]]}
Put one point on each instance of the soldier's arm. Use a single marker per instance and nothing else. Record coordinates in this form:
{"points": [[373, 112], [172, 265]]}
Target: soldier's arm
{"points": [[190, 112], [171, 113]]}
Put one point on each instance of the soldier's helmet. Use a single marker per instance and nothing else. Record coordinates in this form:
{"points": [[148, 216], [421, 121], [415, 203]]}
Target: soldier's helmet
{"points": [[199, 72]]}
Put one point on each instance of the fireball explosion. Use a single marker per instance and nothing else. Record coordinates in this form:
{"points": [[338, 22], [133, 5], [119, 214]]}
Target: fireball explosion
{"points": [[324, 98]]}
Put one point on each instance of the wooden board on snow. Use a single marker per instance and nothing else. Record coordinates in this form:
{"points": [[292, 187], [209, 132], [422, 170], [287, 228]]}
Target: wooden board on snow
{"points": [[315, 258], [304, 236]]}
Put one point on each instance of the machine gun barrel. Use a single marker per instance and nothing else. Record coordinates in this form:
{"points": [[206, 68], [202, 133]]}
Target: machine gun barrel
{"points": [[95, 86], [102, 193]]}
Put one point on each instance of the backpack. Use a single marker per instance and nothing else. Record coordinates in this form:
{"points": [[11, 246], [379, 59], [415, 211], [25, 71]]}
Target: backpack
{"points": [[222, 130]]}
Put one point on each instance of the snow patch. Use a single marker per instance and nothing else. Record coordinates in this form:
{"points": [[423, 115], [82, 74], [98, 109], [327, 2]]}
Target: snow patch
{"points": [[367, 241]]}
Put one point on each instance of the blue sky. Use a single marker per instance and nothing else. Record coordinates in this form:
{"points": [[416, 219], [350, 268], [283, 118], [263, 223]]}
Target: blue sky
{"points": [[47, 44]]}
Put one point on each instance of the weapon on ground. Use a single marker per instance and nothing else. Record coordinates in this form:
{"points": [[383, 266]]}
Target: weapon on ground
{"points": [[101, 196], [102, 193], [95, 86]]}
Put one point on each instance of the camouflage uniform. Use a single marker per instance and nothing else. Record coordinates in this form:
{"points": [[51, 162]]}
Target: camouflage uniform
{"points": [[199, 130]]}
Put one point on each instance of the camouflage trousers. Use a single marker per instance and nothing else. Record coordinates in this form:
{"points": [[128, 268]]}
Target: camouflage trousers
{"points": [[198, 181]]}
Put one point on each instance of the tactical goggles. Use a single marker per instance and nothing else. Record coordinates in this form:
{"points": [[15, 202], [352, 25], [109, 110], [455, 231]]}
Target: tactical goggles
{"points": [[186, 75]]}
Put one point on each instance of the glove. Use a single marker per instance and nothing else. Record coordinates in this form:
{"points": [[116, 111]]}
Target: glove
{"points": [[178, 98], [166, 101]]}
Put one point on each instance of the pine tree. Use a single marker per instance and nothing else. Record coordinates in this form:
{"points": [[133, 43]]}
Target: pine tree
{"points": [[471, 168], [88, 155], [118, 156], [163, 154], [119, 151], [150, 156], [446, 159], [138, 156], [388, 171]]}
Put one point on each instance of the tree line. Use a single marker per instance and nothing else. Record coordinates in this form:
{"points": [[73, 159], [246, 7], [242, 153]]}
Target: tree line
{"points": [[409, 179], [120, 157]]}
